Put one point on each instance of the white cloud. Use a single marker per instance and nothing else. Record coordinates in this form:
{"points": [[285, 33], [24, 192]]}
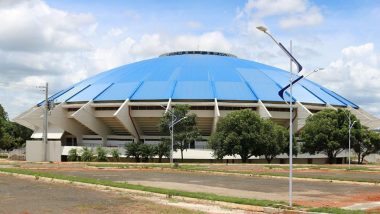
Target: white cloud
{"points": [[211, 41], [307, 18], [295, 13], [34, 26], [355, 75]]}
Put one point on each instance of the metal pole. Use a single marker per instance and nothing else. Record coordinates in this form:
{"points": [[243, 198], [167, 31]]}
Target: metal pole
{"points": [[349, 143], [291, 133], [172, 133], [46, 109]]}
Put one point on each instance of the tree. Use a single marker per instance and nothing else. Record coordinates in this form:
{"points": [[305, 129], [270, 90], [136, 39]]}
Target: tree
{"points": [[147, 152], [163, 149], [115, 154], [240, 132], [12, 135], [185, 131], [101, 154], [87, 154], [367, 143], [73, 155], [327, 132], [133, 150], [274, 140]]}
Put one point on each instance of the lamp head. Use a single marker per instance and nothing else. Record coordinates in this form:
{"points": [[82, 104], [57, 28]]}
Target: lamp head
{"points": [[262, 28]]}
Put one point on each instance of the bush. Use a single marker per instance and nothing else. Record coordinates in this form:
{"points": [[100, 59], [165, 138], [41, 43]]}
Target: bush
{"points": [[163, 149], [101, 154], [115, 154], [147, 152], [87, 155], [133, 150], [73, 155]]}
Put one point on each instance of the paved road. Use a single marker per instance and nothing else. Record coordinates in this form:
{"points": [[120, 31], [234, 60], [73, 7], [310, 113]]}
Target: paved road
{"points": [[26, 196], [233, 185]]}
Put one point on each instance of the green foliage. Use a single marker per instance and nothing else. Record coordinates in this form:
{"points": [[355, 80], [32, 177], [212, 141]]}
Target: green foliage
{"points": [[133, 150], [73, 155], [327, 132], [147, 152], [115, 154], [246, 134], [12, 135], [185, 131], [87, 154], [365, 143], [274, 140], [101, 154], [163, 149]]}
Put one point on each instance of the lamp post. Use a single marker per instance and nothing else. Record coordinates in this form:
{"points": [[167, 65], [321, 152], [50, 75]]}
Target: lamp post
{"points": [[350, 126], [281, 93], [174, 121]]}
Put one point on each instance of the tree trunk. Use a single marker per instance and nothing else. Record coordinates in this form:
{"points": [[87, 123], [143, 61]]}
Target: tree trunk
{"points": [[182, 155], [359, 159], [331, 158], [244, 158], [159, 158], [362, 159], [269, 159]]}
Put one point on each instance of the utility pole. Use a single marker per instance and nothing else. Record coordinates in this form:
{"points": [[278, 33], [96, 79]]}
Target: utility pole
{"points": [[45, 120]]}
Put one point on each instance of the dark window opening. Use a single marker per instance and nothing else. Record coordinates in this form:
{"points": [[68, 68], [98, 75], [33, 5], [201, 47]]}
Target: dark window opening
{"points": [[106, 108], [234, 108]]}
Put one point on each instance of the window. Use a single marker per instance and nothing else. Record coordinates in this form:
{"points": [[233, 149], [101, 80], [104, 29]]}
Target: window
{"points": [[235, 108], [106, 108]]}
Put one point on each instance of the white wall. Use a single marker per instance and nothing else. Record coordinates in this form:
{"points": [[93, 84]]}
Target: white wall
{"points": [[35, 151]]}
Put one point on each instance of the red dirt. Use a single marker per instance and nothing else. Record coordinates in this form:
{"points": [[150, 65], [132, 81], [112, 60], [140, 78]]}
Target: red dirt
{"points": [[342, 201]]}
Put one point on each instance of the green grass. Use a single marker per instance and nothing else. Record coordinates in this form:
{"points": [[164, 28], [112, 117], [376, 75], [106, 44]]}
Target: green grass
{"points": [[169, 192], [353, 168], [335, 210], [201, 168]]}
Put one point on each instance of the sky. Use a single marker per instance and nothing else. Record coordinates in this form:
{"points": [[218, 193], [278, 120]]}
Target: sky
{"points": [[65, 41]]}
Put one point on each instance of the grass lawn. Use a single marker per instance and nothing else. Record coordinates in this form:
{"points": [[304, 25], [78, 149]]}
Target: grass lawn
{"points": [[170, 192], [208, 168]]}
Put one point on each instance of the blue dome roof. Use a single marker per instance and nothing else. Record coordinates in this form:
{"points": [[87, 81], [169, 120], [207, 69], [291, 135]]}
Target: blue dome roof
{"points": [[198, 77]]}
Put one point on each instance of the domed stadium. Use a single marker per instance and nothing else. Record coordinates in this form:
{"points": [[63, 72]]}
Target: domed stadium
{"points": [[126, 103]]}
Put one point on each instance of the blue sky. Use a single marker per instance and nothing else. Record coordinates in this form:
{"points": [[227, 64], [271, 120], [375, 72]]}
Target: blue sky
{"points": [[66, 41]]}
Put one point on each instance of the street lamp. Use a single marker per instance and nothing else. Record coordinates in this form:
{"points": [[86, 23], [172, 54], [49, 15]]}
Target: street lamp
{"points": [[350, 125], [174, 121], [281, 93]]}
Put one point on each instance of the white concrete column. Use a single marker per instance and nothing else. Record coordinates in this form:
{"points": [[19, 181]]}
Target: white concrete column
{"points": [[216, 116], [302, 114], [86, 116], [24, 122], [263, 111], [330, 106], [59, 118], [169, 105], [34, 117], [123, 115]]}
